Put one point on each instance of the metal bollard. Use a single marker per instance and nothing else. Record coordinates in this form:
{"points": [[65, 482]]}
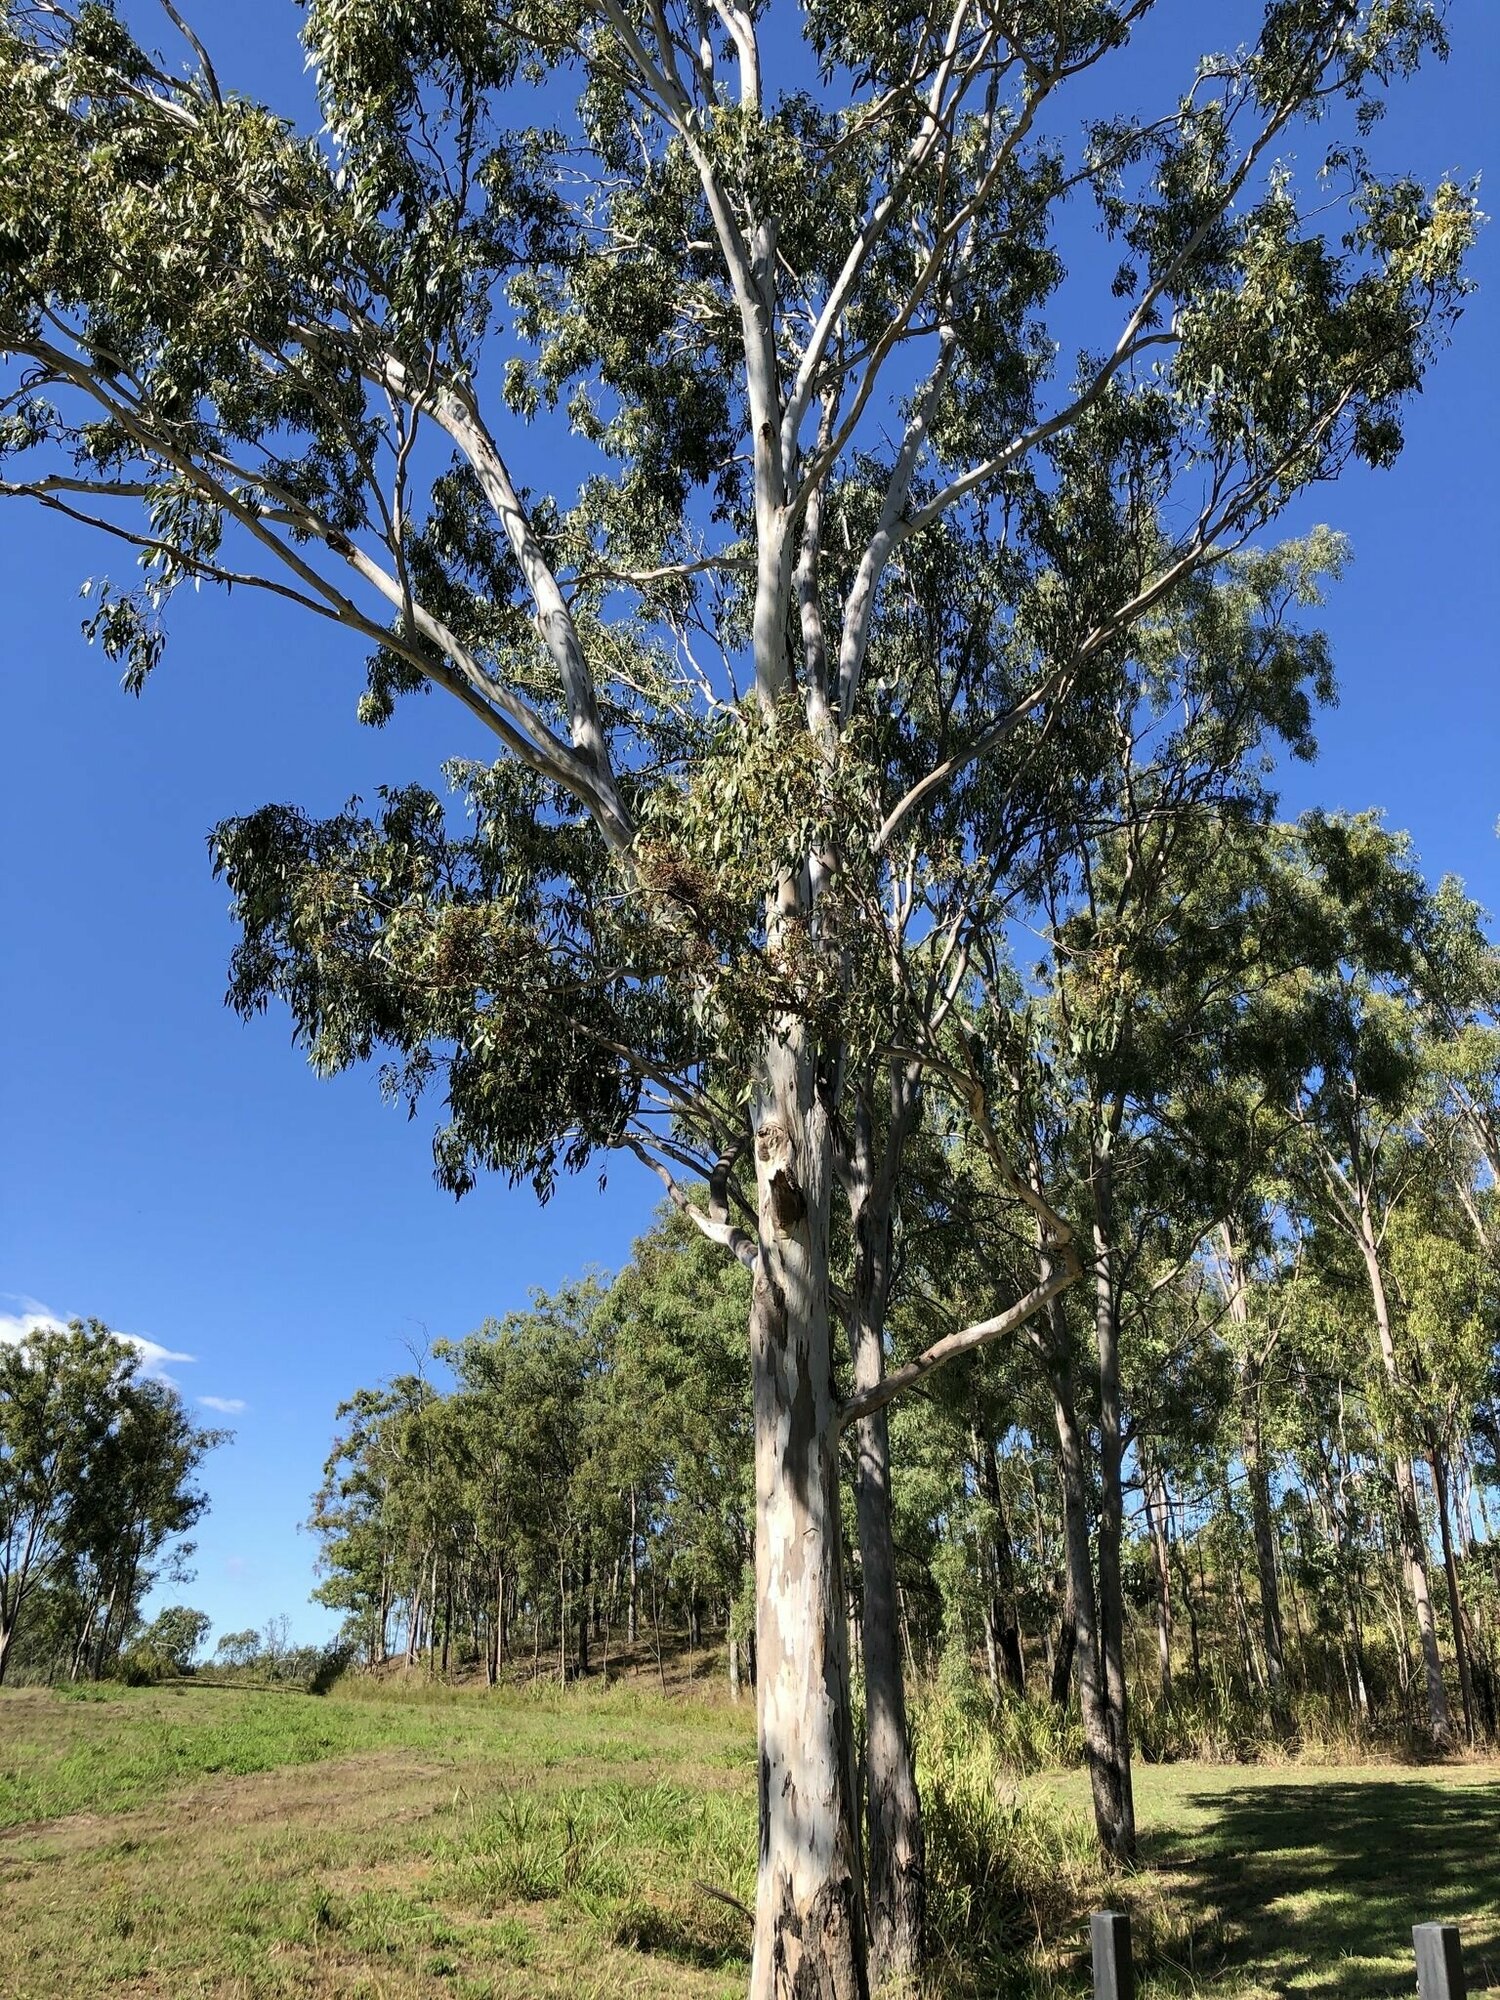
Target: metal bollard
{"points": [[1440, 1963], [1114, 1967]]}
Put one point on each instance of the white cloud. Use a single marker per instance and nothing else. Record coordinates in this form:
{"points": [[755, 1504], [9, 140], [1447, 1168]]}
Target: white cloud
{"points": [[31, 1315], [152, 1353], [227, 1406]]}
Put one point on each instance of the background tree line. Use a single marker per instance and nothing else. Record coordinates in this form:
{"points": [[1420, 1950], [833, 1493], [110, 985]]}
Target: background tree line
{"points": [[1244, 1486]]}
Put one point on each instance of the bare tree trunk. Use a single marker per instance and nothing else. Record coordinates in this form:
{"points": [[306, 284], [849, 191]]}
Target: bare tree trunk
{"points": [[1002, 1622], [585, 1608], [1065, 1646], [497, 1647], [1455, 1599], [1111, 1611], [1257, 1474], [809, 1907], [1155, 1498], [896, 1875], [632, 1623], [1108, 1782], [1439, 1719]]}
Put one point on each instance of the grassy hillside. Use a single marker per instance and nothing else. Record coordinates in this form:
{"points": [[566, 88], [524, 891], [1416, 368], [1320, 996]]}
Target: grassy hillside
{"points": [[200, 1841]]}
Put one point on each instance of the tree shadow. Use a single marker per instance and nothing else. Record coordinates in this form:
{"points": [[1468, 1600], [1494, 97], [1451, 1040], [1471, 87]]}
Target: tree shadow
{"points": [[1315, 1888]]}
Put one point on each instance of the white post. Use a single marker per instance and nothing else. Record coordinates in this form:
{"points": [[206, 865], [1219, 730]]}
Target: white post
{"points": [[1440, 1964]]}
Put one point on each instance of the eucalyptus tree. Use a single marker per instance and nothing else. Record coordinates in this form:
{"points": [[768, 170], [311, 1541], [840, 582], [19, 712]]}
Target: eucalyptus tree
{"points": [[1257, 1278], [1459, 990], [140, 1505], [57, 1397], [1346, 1048], [96, 1484], [676, 1423], [1444, 1286], [1124, 1061], [788, 283]]}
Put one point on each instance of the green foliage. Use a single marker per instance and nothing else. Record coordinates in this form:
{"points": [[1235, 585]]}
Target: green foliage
{"points": [[96, 1494], [594, 1450]]}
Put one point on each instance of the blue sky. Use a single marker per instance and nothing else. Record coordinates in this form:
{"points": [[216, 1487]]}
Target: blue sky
{"points": [[184, 1177]]}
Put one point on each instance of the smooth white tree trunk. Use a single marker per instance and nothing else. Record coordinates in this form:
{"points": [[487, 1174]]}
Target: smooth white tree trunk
{"points": [[809, 1911]]}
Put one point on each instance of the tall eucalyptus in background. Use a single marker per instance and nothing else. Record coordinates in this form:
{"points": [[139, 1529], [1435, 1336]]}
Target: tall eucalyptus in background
{"points": [[97, 1496]]}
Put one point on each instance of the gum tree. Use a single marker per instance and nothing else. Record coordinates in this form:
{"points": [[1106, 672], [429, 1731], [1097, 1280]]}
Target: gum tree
{"points": [[783, 278]]}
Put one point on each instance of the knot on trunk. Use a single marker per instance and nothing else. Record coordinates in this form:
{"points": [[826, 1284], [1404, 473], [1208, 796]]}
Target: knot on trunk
{"points": [[788, 1205], [773, 1149]]}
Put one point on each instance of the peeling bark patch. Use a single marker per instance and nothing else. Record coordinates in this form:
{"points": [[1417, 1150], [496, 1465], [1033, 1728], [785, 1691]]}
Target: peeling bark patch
{"points": [[817, 1955]]}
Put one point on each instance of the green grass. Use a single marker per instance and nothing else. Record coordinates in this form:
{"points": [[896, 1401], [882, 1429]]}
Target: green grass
{"points": [[1264, 1879], [191, 1841], [115, 1748]]}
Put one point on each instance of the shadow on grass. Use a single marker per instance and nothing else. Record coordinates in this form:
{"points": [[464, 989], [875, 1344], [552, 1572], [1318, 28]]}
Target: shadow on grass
{"points": [[665, 1934], [1316, 1888]]}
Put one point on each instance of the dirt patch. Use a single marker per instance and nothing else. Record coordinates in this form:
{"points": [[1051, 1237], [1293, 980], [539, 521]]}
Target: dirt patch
{"points": [[328, 1790]]}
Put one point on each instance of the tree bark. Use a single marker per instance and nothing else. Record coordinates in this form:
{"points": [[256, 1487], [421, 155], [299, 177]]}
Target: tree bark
{"points": [[632, 1623], [1154, 1493], [1065, 1646], [809, 1909], [1439, 1718], [1257, 1473], [895, 1858], [1455, 1598], [1002, 1622], [585, 1608], [1109, 1778], [1111, 1603]]}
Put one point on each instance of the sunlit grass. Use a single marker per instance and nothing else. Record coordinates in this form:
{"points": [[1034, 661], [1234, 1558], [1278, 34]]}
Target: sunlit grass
{"points": [[402, 1841]]}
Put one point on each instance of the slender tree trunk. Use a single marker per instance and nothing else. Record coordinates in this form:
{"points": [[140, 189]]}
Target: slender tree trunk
{"points": [[1257, 1473], [1455, 1599], [1111, 1817], [497, 1635], [1155, 1498], [661, 1671], [585, 1606], [1190, 1602], [1002, 1621], [1111, 1611], [632, 1623], [809, 1908], [1065, 1646], [1439, 1719], [896, 1877]]}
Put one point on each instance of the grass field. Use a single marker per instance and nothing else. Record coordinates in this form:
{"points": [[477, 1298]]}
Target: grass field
{"points": [[193, 1841]]}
